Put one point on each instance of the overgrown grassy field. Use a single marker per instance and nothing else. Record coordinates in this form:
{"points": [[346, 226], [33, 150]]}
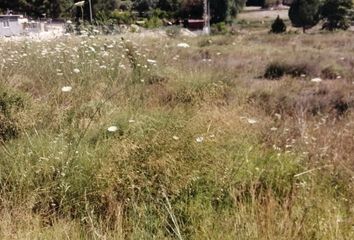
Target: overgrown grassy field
{"points": [[110, 138]]}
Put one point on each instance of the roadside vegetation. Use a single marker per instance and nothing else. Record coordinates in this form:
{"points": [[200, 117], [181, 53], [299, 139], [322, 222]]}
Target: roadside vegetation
{"points": [[245, 136]]}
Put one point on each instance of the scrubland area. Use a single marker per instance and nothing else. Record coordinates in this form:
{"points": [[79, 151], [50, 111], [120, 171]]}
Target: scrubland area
{"points": [[246, 136]]}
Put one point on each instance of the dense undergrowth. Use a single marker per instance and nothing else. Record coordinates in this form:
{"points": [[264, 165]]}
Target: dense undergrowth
{"points": [[201, 146]]}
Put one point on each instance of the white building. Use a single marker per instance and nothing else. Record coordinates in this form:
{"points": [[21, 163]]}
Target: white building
{"points": [[12, 25]]}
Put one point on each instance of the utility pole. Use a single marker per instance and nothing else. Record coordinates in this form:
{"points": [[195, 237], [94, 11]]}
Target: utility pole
{"points": [[81, 5], [206, 28], [90, 5]]}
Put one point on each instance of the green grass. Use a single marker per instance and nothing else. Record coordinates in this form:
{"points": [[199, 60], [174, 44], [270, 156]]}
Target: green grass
{"points": [[204, 149]]}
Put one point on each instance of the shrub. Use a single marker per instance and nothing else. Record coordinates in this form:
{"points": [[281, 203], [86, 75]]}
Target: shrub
{"points": [[153, 22], [291, 98], [123, 17], [330, 72], [304, 13], [336, 14], [10, 103], [277, 70], [278, 26], [219, 28]]}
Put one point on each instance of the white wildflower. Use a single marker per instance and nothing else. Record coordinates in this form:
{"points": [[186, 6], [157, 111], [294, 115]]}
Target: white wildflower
{"points": [[183, 45], [316, 80], [112, 129], [151, 61], [277, 115], [76, 70], [175, 138], [251, 121], [66, 89], [199, 139]]}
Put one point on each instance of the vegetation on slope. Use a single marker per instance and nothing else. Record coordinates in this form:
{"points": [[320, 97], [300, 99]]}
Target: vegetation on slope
{"points": [[141, 139]]}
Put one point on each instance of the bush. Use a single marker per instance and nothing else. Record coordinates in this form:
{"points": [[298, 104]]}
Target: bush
{"points": [[10, 104], [219, 28], [330, 72], [278, 26], [336, 14], [123, 17], [277, 70], [290, 98], [153, 22]]}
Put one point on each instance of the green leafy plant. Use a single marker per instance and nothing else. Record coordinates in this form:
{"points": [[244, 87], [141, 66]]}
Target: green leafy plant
{"points": [[219, 28], [10, 103], [122, 17]]}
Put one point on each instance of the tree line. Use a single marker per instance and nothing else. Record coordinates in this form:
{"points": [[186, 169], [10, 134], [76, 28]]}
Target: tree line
{"points": [[221, 10], [335, 14]]}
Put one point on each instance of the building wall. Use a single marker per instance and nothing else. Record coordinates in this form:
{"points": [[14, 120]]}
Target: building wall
{"points": [[13, 29]]}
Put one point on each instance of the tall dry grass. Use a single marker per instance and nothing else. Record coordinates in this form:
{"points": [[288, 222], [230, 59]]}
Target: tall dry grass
{"points": [[202, 145]]}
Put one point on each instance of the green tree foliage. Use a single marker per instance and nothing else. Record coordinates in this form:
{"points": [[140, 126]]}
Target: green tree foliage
{"points": [[304, 13], [144, 5], [336, 14], [221, 10], [105, 6], [191, 9], [169, 5], [38, 8], [278, 26]]}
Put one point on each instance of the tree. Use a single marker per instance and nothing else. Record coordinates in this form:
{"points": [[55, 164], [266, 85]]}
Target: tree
{"points": [[304, 13], [38, 8], [144, 5], [336, 13], [221, 10], [169, 5], [278, 26]]}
